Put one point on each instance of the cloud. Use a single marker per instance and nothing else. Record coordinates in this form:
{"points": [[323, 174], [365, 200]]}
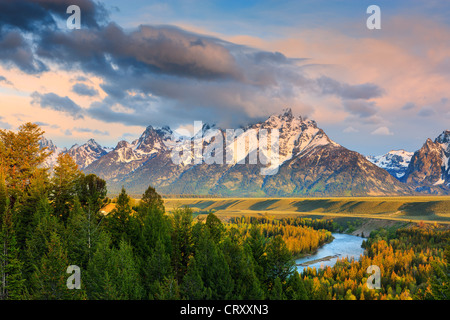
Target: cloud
{"points": [[161, 74], [346, 91], [426, 112], [55, 102], [360, 108], [3, 124], [382, 131], [350, 130], [16, 51], [32, 15], [45, 124], [84, 90], [409, 106], [6, 81], [94, 131]]}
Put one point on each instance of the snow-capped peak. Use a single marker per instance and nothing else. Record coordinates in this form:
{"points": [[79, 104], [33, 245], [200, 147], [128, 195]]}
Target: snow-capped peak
{"points": [[395, 161], [87, 153]]}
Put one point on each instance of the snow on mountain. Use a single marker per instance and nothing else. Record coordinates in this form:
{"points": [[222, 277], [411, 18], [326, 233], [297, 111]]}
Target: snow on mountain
{"points": [[296, 136], [430, 164], [395, 162], [55, 151], [87, 153]]}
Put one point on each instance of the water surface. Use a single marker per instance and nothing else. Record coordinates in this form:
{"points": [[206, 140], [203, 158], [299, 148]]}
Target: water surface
{"points": [[343, 245]]}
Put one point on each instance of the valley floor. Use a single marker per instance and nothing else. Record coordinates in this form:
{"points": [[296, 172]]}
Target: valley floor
{"points": [[385, 210]]}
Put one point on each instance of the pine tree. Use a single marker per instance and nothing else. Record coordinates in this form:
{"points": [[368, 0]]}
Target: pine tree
{"points": [[50, 277], [151, 199], [4, 201], [64, 182], [158, 266], [280, 263], [214, 269], [242, 270], [118, 219], [182, 242], [36, 241], [12, 283], [113, 273], [81, 235], [192, 286], [276, 292], [91, 191], [215, 226]]}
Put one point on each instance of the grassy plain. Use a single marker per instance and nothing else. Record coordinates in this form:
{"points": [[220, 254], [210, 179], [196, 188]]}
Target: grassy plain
{"points": [[428, 209]]}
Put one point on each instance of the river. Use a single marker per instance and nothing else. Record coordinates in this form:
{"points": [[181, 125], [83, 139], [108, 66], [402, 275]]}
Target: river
{"points": [[343, 245]]}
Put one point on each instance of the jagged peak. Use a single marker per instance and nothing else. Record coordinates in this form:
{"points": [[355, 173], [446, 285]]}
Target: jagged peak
{"points": [[444, 137], [92, 142], [122, 144], [287, 112]]}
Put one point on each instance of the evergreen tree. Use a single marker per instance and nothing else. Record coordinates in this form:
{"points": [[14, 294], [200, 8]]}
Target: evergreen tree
{"points": [[151, 199], [214, 269], [295, 288], [182, 242], [112, 273], [192, 286], [65, 178], [12, 283], [276, 292], [439, 280], [25, 210], [242, 270], [118, 220], [36, 242], [82, 233], [4, 201], [91, 191], [50, 277], [257, 244], [215, 227], [279, 261], [157, 268]]}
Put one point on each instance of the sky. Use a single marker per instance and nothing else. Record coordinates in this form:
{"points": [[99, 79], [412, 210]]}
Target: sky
{"points": [[230, 63]]}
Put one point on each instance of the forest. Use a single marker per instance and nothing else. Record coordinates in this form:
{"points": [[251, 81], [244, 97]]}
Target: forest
{"points": [[53, 219]]}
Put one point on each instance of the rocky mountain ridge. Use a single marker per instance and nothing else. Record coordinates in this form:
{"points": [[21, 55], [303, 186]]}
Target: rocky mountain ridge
{"points": [[305, 162]]}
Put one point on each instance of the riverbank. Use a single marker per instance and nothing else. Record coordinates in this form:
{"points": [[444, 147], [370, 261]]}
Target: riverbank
{"points": [[327, 258], [343, 245]]}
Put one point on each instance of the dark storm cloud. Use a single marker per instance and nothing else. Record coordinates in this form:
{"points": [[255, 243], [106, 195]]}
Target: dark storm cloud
{"points": [[16, 51], [33, 15], [55, 102], [84, 90], [161, 50], [157, 74]]}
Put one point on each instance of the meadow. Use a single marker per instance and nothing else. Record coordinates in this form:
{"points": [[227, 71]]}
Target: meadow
{"points": [[429, 209]]}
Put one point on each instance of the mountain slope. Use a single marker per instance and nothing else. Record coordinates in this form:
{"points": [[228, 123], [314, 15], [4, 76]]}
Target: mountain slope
{"points": [[309, 163], [429, 166], [87, 153]]}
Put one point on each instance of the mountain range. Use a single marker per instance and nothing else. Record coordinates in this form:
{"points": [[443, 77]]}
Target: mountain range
{"points": [[309, 163]]}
